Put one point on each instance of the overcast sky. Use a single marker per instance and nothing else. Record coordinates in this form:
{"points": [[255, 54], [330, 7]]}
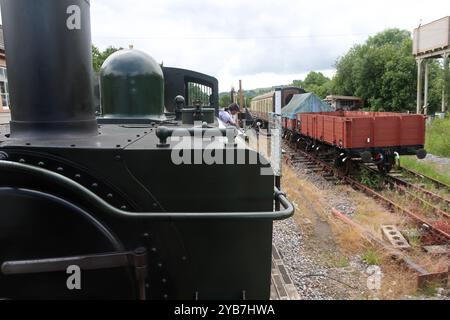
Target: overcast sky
{"points": [[264, 43]]}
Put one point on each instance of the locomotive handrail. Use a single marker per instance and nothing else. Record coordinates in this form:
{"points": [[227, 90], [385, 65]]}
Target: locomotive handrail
{"points": [[164, 133], [99, 203]]}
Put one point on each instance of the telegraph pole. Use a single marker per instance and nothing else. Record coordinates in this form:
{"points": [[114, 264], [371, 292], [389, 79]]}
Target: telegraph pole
{"points": [[233, 95], [241, 95]]}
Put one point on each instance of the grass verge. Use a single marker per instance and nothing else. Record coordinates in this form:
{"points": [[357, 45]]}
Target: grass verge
{"points": [[424, 168], [438, 142]]}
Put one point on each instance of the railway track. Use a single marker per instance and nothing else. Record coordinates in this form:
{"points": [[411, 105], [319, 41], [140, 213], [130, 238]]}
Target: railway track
{"points": [[438, 192], [435, 219], [439, 204], [325, 166], [438, 184]]}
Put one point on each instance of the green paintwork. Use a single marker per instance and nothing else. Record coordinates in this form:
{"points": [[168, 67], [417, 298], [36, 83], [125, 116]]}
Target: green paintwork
{"points": [[132, 86]]}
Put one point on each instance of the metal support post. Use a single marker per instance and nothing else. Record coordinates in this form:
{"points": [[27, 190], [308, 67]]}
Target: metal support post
{"points": [[446, 85], [419, 86], [426, 89]]}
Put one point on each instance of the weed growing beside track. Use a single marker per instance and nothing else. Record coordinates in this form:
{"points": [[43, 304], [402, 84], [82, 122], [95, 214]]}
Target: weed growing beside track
{"points": [[438, 141], [428, 169]]}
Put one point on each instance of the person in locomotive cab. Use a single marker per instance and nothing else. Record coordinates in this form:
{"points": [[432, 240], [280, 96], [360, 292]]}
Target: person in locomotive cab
{"points": [[228, 115]]}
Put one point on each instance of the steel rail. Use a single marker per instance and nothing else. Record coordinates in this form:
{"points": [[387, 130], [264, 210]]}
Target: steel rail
{"points": [[439, 184], [391, 203], [433, 195], [439, 233]]}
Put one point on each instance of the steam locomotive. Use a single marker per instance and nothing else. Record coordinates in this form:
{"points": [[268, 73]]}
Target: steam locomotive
{"points": [[129, 205]]}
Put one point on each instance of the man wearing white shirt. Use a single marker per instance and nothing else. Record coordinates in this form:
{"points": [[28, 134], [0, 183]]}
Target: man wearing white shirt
{"points": [[227, 115]]}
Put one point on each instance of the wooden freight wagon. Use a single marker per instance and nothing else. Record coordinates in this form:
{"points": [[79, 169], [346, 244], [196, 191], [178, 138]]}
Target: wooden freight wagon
{"points": [[290, 124], [373, 136], [300, 103]]}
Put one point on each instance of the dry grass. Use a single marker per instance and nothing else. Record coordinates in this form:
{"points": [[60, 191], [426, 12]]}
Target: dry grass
{"points": [[414, 205], [398, 282], [433, 264], [373, 216], [299, 189], [350, 240], [311, 202]]}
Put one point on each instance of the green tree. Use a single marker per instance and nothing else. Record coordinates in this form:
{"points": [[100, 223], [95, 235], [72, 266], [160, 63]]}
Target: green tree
{"points": [[225, 100], [344, 80], [98, 57], [315, 78], [389, 37], [248, 101], [382, 71], [438, 79], [197, 94], [315, 82], [298, 83]]}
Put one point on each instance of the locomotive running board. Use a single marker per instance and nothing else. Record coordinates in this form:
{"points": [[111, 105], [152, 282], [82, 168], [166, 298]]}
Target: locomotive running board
{"points": [[282, 286]]}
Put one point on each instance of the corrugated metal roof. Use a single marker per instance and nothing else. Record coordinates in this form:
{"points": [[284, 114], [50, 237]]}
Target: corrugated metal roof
{"points": [[342, 98], [264, 96]]}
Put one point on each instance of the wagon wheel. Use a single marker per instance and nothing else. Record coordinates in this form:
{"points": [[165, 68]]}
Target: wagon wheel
{"points": [[385, 168], [263, 124], [345, 168], [348, 167], [299, 144]]}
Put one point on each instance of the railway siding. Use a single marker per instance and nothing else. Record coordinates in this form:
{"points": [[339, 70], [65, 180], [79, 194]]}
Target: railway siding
{"points": [[318, 166]]}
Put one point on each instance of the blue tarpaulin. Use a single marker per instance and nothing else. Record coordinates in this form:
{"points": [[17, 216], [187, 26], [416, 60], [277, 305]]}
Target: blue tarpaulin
{"points": [[307, 102]]}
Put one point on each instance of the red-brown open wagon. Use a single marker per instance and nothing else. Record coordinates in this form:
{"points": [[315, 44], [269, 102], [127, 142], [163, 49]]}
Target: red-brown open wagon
{"points": [[377, 137], [300, 103], [290, 124]]}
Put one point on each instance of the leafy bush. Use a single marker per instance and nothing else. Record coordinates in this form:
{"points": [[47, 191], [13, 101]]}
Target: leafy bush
{"points": [[371, 180], [438, 137]]}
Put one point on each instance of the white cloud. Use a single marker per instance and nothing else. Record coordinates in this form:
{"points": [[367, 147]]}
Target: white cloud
{"points": [[262, 42]]}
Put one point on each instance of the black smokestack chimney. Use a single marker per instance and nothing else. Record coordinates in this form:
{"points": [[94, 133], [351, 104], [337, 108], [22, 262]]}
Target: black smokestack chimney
{"points": [[49, 61]]}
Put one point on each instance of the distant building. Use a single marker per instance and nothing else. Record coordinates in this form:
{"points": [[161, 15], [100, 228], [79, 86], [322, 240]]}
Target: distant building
{"points": [[4, 92], [345, 103]]}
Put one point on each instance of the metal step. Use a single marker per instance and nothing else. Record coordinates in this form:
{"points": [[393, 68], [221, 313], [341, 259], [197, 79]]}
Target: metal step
{"points": [[282, 287]]}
